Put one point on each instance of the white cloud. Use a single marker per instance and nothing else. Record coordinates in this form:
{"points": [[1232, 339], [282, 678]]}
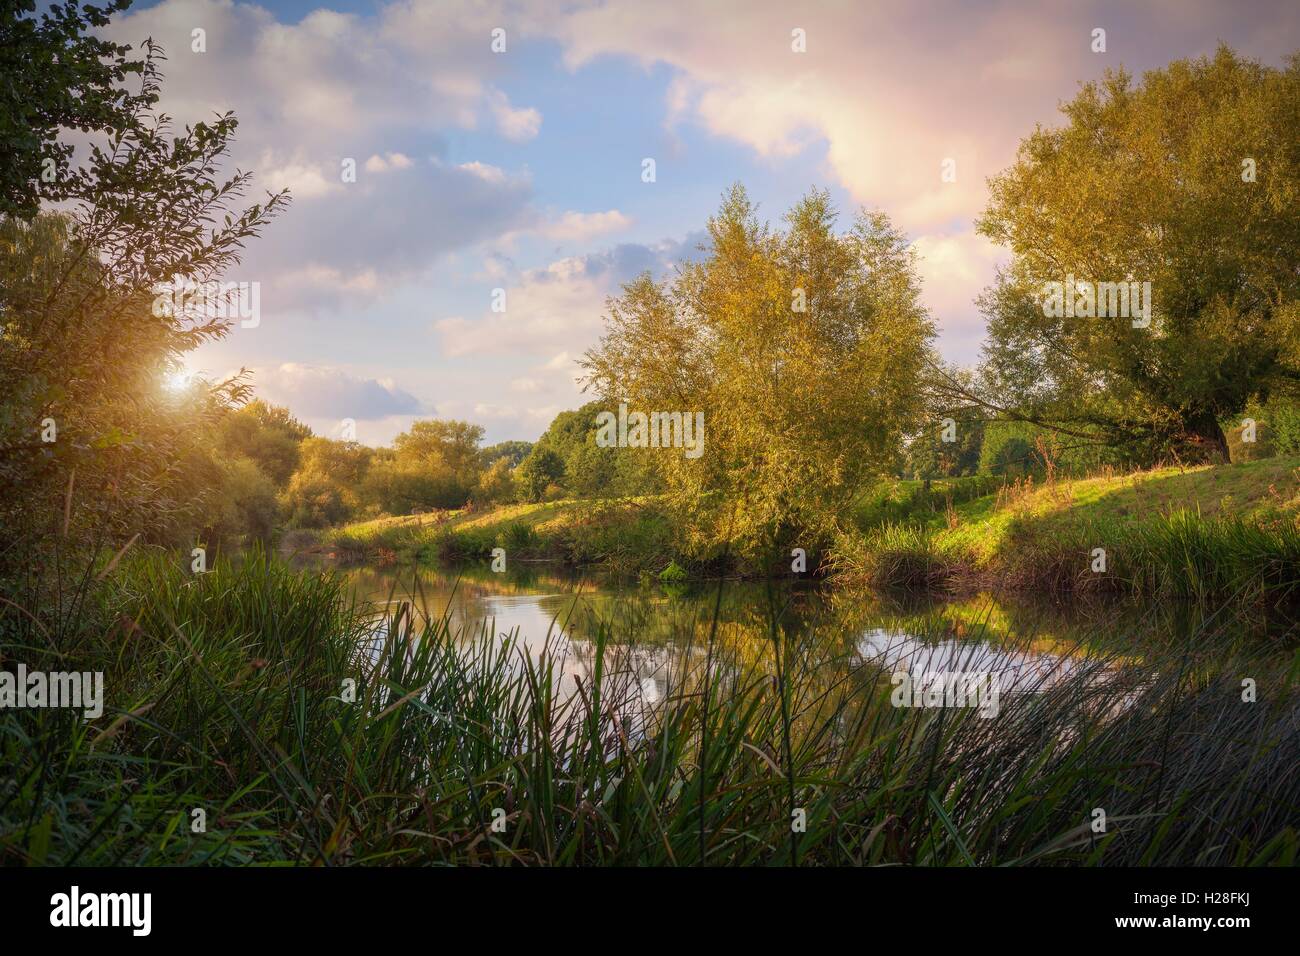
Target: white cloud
{"points": [[382, 164], [563, 302], [955, 267], [561, 305], [486, 410], [329, 392], [304, 180], [580, 226], [382, 231], [335, 86], [329, 281], [484, 171], [517, 125]]}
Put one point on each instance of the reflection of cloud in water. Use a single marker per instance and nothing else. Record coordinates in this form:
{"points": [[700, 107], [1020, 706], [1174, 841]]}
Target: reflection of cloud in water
{"points": [[634, 677], [556, 619], [1026, 672], [1017, 671], [638, 675]]}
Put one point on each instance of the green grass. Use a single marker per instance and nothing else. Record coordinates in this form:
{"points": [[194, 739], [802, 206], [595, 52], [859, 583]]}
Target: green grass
{"points": [[1188, 532], [624, 536], [903, 501], [227, 693]]}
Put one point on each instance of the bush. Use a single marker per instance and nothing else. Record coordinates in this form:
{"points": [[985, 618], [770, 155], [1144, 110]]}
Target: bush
{"points": [[246, 503], [1277, 430], [673, 574], [519, 538], [1284, 416], [497, 484]]}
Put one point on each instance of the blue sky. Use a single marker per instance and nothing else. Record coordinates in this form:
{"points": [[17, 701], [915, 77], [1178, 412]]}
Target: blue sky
{"points": [[522, 170]]}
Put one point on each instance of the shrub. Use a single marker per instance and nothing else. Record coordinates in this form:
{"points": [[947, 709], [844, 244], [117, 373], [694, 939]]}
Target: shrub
{"points": [[673, 574]]}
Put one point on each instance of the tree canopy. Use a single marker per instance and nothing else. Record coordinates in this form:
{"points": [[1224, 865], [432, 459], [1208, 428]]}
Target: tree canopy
{"points": [[58, 77], [805, 350], [1189, 181]]}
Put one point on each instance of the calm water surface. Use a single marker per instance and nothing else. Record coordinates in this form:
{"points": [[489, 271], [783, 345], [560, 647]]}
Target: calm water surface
{"points": [[649, 629]]}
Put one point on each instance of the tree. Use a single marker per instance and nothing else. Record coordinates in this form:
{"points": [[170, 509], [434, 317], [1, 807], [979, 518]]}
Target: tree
{"points": [[56, 78], [541, 469], [439, 462], [246, 504], [1012, 448], [929, 456], [93, 448], [266, 434], [497, 483], [512, 451], [446, 444], [589, 470], [804, 351], [326, 488], [1189, 181]]}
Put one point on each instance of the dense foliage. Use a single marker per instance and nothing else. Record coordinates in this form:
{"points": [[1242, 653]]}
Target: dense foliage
{"points": [[1190, 181], [93, 449], [59, 76], [802, 351]]}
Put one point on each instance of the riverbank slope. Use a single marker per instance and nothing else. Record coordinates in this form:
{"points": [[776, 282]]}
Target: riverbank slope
{"points": [[1189, 531], [1173, 531]]}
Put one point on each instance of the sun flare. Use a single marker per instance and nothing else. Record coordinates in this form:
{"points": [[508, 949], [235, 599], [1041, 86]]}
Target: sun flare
{"points": [[178, 380]]}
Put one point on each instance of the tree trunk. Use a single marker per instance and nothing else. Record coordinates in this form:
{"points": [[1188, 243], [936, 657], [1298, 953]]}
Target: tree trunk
{"points": [[1207, 438]]}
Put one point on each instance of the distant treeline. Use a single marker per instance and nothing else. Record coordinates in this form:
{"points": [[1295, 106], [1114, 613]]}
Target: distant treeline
{"points": [[273, 471]]}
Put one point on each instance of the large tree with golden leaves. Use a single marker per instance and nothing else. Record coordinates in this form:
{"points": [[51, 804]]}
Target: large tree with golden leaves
{"points": [[1188, 180], [805, 349]]}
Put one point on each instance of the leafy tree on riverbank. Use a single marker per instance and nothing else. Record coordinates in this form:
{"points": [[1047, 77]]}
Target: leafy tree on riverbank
{"points": [[569, 457], [267, 435], [539, 472], [326, 488], [93, 448], [804, 349], [930, 455], [1188, 180]]}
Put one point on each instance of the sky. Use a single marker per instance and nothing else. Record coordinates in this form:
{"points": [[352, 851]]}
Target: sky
{"points": [[521, 169]]}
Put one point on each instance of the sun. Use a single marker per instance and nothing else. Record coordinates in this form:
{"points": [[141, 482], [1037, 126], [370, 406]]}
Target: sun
{"points": [[178, 380]]}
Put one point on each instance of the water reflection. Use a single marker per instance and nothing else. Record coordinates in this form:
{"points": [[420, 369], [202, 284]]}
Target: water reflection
{"points": [[1015, 670], [649, 631]]}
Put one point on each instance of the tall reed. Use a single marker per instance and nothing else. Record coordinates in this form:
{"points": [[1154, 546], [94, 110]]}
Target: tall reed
{"points": [[310, 731]]}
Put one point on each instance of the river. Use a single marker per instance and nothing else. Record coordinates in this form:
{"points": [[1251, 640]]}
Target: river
{"points": [[649, 629]]}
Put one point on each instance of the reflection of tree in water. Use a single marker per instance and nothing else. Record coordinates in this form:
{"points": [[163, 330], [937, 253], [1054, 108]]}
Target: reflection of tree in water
{"points": [[1094, 625], [656, 640]]}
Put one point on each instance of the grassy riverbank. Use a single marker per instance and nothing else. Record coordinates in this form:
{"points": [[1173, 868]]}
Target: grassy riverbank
{"points": [[1204, 531], [228, 693], [623, 536], [1188, 532]]}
